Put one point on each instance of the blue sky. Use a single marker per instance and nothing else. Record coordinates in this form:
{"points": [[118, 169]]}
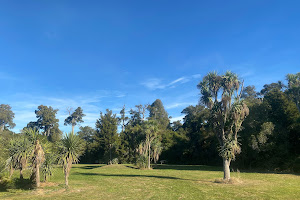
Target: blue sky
{"points": [[99, 55]]}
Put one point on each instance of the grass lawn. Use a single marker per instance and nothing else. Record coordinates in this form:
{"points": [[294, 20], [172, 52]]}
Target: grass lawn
{"points": [[163, 182]]}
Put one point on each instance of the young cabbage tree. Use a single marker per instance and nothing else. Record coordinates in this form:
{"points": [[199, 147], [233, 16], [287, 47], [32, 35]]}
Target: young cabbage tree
{"points": [[20, 151], [222, 95], [38, 155], [70, 149]]}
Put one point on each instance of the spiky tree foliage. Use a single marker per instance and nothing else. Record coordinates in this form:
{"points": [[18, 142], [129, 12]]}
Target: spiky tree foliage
{"points": [[74, 118], [38, 155], [20, 151], [70, 149], [221, 94], [47, 166], [156, 148]]}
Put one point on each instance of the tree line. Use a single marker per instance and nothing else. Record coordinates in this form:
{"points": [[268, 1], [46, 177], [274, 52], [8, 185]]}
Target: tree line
{"points": [[248, 129]]}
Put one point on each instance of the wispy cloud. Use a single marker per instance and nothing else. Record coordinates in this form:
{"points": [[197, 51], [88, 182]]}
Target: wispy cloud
{"points": [[91, 105], [155, 83], [178, 118], [180, 104]]}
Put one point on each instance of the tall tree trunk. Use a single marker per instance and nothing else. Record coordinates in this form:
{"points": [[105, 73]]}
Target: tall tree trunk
{"points": [[72, 128], [149, 156], [37, 176], [226, 164]]}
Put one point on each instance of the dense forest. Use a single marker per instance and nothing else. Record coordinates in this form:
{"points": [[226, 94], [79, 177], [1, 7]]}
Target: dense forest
{"points": [[265, 135]]}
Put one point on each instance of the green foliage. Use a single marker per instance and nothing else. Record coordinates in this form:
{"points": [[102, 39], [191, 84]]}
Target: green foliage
{"points": [[107, 136], [47, 167], [221, 94], [6, 117], [159, 114], [74, 118], [294, 88], [115, 161], [70, 148], [46, 118], [87, 133], [142, 161]]}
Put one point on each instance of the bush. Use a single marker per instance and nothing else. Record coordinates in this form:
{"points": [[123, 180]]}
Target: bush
{"points": [[142, 161], [115, 161]]}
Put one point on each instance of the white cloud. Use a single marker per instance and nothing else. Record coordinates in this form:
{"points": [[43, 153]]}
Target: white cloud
{"points": [[155, 83], [178, 118], [181, 104], [179, 80]]}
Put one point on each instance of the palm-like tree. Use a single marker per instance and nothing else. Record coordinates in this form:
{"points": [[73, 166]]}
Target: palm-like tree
{"points": [[20, 151], [156, 149], [47, 166], [38, 155], [145, 148], [70, 149], [221, 94]]}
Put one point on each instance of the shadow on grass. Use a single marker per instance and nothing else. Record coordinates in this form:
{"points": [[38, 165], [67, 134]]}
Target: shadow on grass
{"points": [[187, 167], [25, 184], [142, 176], [128, 175], [128, 166], [3, 186], [88, 166]]}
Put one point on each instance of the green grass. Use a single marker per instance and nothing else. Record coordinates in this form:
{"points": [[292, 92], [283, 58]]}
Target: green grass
{"points": [[163, 182]]}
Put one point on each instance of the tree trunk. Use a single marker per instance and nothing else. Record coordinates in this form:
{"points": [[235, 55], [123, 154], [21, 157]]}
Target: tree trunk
{"points": [[110, 154], [72, 128], [149, 157], [66, 179], [21, 174], [226, 164], [2, 128], [37, 176], [11, 171]]}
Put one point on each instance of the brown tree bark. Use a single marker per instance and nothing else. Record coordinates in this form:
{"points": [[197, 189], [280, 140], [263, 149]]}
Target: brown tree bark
{"points": [[226, 169]]}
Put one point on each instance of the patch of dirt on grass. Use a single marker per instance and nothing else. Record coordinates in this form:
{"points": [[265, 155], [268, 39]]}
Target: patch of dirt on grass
{"points": [[48, 184]]}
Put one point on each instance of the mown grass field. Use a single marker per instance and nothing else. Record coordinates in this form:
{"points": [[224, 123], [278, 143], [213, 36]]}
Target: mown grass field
{"points": [[163, 182]]}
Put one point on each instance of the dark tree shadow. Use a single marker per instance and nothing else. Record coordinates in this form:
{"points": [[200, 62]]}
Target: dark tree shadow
{"points": [[88, 166], [128, 166], [187, 167], [24, 184], [3, 186], [129, 175]]}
